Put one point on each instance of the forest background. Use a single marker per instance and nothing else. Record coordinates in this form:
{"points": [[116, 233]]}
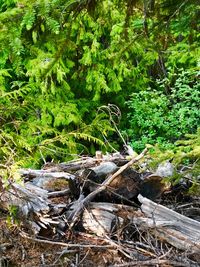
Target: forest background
{"points": [[63, 63]]}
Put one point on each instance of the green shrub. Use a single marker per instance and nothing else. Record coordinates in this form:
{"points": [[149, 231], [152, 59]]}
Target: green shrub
{"points": [[164, 116]]}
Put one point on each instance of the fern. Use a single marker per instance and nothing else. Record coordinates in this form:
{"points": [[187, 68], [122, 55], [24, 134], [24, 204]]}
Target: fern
{"points": [[87, 137]]}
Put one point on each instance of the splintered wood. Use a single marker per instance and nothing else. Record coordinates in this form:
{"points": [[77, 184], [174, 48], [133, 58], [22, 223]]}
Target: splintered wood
{"points": [[180, 231]]}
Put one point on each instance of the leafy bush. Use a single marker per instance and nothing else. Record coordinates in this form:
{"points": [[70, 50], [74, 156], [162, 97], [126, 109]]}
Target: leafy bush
{"points": [[156, 116]]}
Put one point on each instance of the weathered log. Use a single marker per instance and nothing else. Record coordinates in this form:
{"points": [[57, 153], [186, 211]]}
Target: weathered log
{"points": [[99, 220], [32, 205], [106, 218], [127, 185], [178, 230], [51, 181], [96, 174], [85, 163], [27, 199], [102, 170]]}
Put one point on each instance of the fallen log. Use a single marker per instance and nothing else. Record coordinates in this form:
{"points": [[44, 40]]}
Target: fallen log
{"points": [[167, 225], [50, 181], [85, 163], [178, 230], [31, 205], [26, 199], [107, 218]]}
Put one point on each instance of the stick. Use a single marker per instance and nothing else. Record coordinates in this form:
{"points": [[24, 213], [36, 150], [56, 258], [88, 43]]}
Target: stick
{"points": [[46, 173], [24, 235], [59, 193]]}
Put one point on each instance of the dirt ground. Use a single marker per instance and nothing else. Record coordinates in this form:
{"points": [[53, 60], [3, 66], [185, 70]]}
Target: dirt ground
{"points": [[16, 250]]}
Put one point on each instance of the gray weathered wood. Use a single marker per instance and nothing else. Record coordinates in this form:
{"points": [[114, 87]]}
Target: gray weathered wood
{"points": [[99, 220], [46, 173], [178, 230], [87, 162]]}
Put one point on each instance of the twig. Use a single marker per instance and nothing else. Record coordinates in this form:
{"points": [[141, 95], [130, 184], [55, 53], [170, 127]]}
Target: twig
{"points": [[113, 110], [59, 193], [74, 217], [24, 235], [62, 253], [85, 256], [126, 252], [154, 262]]}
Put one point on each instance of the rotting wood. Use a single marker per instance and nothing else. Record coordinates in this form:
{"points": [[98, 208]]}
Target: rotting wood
{"points": [[27, 199], [101, 171], [178, 230], [126, 185], [106, 218], [32, 205], [101, 219], [73, 217]]}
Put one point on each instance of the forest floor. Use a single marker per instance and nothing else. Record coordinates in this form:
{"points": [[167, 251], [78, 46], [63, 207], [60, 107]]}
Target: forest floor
{"points": [[89, 250]]}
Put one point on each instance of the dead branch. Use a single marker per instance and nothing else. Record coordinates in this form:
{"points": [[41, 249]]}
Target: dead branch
{"points": [[85, 163], [24, 235], [59, 193], [46, 173]]}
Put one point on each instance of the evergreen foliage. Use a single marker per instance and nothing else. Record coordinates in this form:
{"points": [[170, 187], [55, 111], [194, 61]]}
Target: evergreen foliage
{"points": [[61, 60]]}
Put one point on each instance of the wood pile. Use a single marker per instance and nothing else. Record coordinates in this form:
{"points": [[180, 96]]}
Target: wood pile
{"points": [[106, 200]]}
